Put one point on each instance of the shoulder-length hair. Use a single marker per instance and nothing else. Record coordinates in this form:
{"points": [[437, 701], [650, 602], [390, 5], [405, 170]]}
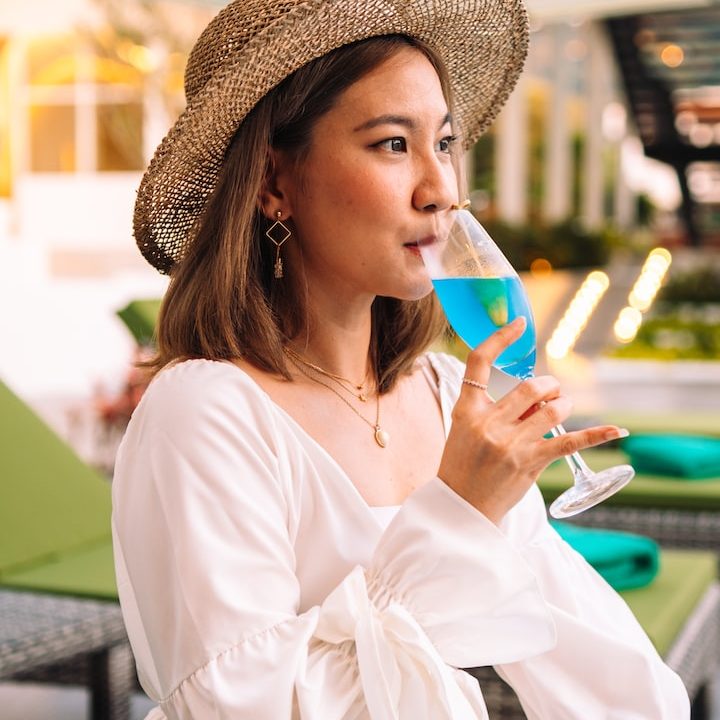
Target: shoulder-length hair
{"points": [[223, 302]]}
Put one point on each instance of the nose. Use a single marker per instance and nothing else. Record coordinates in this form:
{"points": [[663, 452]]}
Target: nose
{"points": [[436, 187]]}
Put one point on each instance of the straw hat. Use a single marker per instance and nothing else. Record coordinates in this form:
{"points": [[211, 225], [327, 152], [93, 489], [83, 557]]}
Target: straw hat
{"points": [[252, 45]]}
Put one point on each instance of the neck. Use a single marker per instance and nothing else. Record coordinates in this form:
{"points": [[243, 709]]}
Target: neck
{"points": [[339, 345]]}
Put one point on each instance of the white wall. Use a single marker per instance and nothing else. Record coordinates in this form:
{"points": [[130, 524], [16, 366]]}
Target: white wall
{"points": [[39, 16], [87, 210]]}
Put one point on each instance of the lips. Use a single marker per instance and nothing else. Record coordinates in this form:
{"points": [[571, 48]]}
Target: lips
{"points": [[426, 241]]}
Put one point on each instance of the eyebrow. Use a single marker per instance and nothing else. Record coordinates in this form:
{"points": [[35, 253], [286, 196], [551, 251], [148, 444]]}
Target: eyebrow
{"points": [[402, 120]]}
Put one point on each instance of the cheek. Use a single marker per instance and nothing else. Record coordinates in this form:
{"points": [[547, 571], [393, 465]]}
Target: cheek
{"points": [[352, 188]]}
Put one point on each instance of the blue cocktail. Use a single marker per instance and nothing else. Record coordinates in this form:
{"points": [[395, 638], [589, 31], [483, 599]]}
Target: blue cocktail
{"points": [[480, 292]]}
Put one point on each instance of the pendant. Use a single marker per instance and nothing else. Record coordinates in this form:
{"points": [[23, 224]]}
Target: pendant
{"points": [[382, 438], [362, 398], [278, 268]]}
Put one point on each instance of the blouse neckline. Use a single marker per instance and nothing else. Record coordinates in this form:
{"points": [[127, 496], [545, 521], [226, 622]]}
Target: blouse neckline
{"points": [[378, 511]]}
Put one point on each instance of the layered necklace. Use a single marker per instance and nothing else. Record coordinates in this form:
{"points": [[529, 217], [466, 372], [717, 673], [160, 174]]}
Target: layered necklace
{"points": [[382, 437]]}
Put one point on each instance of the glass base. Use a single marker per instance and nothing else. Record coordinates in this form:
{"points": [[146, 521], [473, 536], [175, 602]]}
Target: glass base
{"points": [[591, 491]]}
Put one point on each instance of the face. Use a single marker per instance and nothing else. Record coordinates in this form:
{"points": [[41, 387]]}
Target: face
{"points": [[378, 175]]}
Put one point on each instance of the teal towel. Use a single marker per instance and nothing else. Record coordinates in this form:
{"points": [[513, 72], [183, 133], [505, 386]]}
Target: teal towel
{"points": [[623, 559], [678, 456]]}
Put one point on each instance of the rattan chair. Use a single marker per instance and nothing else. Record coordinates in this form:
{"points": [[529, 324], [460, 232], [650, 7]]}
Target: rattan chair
{"points": [[60, 620], [676, 512], [64, 640], [687, 577]]}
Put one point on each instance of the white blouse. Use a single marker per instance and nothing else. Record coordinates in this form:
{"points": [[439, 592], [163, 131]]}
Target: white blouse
{"points": [[257, 583]]}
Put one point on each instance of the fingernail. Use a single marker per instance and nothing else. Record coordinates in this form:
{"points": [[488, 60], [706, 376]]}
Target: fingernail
{"points": [[617, 434]]}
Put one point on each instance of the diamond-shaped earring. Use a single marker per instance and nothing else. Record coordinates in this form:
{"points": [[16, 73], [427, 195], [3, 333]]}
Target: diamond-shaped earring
{"points": [[278, 233]]}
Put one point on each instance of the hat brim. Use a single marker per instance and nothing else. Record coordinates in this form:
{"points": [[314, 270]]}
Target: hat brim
{"points": [[483, 44]]}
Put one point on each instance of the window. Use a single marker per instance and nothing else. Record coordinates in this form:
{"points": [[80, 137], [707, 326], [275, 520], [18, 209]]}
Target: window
{"points": [[5, 160], [52, 138], [85, 107]]}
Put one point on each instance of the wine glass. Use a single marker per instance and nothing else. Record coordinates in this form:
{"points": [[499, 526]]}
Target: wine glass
{"points": [[480, 291]]}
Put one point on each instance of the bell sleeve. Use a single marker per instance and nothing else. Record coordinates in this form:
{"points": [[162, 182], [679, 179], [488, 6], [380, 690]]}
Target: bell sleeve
{"points": [[203, 516], [604, 666]]}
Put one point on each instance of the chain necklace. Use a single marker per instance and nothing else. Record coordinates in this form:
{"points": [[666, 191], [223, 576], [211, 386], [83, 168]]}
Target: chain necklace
{"points": [[359, 390], [382, 437]]}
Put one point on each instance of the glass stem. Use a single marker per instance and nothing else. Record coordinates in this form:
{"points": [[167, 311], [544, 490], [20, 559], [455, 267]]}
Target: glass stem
{"points": [[578, 466]]}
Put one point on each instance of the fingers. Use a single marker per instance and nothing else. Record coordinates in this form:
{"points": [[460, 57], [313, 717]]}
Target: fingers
{"points": [[567, 443], [484, 355], [530, 396]]}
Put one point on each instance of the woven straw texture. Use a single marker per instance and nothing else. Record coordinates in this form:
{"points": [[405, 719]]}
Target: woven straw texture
{"points": [[252, 45]]}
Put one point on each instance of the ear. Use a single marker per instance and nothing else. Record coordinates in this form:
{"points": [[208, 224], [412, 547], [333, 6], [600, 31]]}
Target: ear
{"points": [[276, 193]]}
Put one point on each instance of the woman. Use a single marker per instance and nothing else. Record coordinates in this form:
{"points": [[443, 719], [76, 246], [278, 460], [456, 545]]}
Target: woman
{"points": [[300, 530]]}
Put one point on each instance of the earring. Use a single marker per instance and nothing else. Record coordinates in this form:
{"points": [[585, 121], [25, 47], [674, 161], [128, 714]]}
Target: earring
{"points": [[278, 233]]}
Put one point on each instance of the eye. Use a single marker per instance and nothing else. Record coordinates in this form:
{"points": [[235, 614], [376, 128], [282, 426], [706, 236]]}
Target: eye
{"points": [[446, 144], [395, 144]]}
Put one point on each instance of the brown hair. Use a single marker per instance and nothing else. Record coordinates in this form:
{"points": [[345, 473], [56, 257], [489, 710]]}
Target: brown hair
{"points": [[223, 302]]}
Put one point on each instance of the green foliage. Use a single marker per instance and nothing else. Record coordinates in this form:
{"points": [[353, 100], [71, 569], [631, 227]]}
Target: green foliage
{"points": [[565, 244], [699, 285], [673, 338]]}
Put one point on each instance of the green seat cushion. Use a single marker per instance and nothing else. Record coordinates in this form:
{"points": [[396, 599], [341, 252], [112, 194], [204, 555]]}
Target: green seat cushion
{"points": [[625, 560], [685, 456], [85, 572], [140, 317], [645, 490], [697, 422], [664, 606], [51, 502]]}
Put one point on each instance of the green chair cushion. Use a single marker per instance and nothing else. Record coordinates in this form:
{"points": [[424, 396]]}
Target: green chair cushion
{"points": [[51, 502], [645, 490], [140, 317], [85, 572], [697, 422], [663, 607], [625, 560], [684, 456]]}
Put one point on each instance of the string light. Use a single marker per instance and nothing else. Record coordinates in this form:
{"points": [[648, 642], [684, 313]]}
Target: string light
{"points": [[642, 295], [577, 315], [672, 55]]}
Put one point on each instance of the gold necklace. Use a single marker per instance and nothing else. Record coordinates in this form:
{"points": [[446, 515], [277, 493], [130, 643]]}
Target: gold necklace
{"points": [[382, 437], [360, 394]]}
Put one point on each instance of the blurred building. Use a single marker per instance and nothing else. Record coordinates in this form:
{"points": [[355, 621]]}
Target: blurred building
{"points": [[88, 88], [617, 113], [621, 102]]}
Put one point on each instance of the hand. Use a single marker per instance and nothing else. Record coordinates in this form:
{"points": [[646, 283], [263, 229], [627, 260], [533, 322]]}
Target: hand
{"points": [[496, 450]]}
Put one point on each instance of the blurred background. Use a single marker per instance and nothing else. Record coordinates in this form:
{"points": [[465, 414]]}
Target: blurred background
{"points": [[608, 149], [600, 181]]}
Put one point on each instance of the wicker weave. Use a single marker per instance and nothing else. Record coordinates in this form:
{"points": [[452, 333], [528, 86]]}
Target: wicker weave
{"points": [[252, 45], [47, 638], [674, 528], [695, 656]]}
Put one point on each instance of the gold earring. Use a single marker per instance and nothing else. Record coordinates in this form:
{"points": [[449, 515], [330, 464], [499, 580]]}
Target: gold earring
{"points": [[278, 233]]}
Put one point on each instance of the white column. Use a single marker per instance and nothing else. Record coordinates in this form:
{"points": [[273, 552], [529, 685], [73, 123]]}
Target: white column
{"points": [[156, 118], [511, 158], [468, 170], [625, 201], [86, 102], [558, 162], [19, 126], [592, 167]]}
